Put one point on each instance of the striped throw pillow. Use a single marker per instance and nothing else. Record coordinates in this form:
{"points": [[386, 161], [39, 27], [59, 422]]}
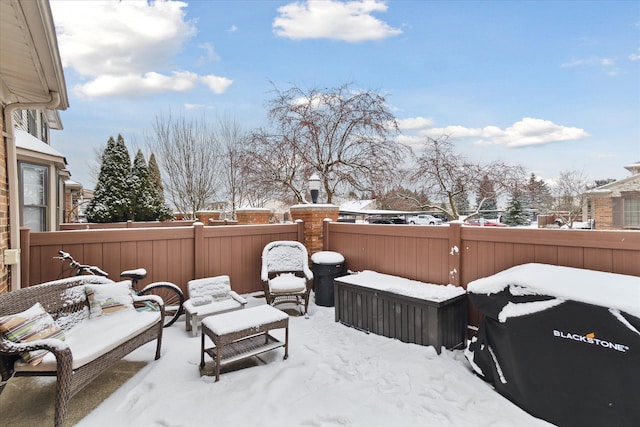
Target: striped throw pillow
{"points": [[109, 298], [30, 325]]}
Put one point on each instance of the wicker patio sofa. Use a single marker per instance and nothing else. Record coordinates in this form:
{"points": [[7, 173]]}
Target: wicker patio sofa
{"points": [[93, 341]]}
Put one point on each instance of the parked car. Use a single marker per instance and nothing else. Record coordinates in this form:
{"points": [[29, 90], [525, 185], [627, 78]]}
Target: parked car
{"points": [[380, 221], [398, 220], [481, 222], [425, 219]]}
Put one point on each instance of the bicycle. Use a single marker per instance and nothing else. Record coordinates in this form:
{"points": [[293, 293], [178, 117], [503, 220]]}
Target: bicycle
{"points": [[171, 294]]}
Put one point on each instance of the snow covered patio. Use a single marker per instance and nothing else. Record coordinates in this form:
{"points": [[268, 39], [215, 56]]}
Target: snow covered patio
{"points": [[335, 375]]}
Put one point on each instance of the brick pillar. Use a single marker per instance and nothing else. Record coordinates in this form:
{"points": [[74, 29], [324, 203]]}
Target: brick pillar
{"points": [[313, 217], [206, 217], [253, 216]]}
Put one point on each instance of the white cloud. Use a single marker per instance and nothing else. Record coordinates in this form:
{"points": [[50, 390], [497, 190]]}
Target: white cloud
{"points": [[216, 84], [210, 53], [124, 47], [524, 133], [197, 106], [635, 56], [350, 21], [136, 84], [606, 65], [414, 123]]}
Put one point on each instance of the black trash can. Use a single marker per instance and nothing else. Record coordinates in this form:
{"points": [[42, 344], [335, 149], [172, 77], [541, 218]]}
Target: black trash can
{"points": [[326, 266]]}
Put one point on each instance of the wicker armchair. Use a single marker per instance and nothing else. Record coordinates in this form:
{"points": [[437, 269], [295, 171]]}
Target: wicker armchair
{"points": [[285, 274]]}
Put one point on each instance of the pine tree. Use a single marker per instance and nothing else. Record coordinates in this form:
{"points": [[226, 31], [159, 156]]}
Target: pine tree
{"points": [[141, 190], [162, 211], [111, 201], [461, 198], [537, 195], [515, 214], [487, 197], [155, 177]]}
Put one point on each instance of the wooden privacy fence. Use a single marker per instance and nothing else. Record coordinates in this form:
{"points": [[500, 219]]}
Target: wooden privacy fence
{"points": [[173, 254], [458, 254]]}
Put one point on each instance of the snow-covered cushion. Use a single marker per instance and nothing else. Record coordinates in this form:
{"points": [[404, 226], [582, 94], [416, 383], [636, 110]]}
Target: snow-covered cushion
{"points": [[31, 325], [109, 298], [203, 300], [97, 336], [287, 283], [211, 308], [208, 289]]}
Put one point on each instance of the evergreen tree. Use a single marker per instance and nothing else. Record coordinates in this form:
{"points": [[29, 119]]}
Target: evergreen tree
{"points": [[461, 198], [155, 177], [111, 201], [536, 195], [515, 214], [486, 197], [142, 193], [162, 212]]}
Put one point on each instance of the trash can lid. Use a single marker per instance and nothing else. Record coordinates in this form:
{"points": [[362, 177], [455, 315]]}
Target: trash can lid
{"points": [[327, 257]]}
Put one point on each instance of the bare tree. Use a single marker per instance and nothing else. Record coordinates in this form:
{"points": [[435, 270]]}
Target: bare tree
{"points": [[443, 176], [342, 135], [232, 144], [189, 155], [570, 194], [276, 167]]}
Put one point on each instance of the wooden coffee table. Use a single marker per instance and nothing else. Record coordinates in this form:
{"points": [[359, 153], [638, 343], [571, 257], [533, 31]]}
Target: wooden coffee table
{"points": [[242, 334]]}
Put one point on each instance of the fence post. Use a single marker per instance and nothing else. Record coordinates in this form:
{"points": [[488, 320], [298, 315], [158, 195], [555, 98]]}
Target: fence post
{"points": [[455, 253], [325, 234], [25, 255], [300, 230], [198, 249]]}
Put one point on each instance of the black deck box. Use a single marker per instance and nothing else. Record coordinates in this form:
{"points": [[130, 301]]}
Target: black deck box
{"points": [[408, 310]]}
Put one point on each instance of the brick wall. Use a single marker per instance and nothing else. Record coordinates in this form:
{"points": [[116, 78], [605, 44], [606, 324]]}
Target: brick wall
{"points": [[206, 217], [603, 213], [253, 216], [313, 217], [4, 210]]}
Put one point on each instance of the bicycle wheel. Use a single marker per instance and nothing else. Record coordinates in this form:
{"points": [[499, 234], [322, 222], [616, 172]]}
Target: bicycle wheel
{"points": [[172, 297]]}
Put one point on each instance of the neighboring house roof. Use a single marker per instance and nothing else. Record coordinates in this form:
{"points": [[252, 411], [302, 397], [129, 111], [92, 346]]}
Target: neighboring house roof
{"points": [[28, 144], [72, 185], [613, 189], [633, 168], [356, 205], [30, 65]]}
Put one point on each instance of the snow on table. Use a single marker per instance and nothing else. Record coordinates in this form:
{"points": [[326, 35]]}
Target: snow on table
{"points": [[617, 291], [239, 320], [402, 286]]}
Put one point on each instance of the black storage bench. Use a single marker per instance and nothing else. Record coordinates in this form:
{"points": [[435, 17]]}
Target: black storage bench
{"points": [[562, 343], [408, 310]]}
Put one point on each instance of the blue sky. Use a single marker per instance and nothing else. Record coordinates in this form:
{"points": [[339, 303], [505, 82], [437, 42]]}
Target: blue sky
{"points": [[550, 85]]}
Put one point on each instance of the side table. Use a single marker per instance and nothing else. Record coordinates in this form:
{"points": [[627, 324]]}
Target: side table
{"points": [[242, 334]]}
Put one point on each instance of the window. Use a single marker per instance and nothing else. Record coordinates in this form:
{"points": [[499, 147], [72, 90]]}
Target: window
{"points": [[31, 123], [33, 179], [631, 212]]}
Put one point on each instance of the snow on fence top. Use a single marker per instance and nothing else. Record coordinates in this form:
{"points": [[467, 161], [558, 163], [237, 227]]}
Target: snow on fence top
{"points": [[402, 286], [588, 286]]}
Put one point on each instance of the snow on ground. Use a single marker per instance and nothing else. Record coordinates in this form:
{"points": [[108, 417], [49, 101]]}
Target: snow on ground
{"points": [[334, 376]]}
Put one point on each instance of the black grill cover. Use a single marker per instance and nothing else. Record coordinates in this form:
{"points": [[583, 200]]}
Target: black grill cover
{"points": [[573, 364]]}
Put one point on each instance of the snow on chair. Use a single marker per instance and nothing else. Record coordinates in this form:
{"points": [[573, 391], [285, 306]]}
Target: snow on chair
{"points": [[285, 275], [209, 296]]}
